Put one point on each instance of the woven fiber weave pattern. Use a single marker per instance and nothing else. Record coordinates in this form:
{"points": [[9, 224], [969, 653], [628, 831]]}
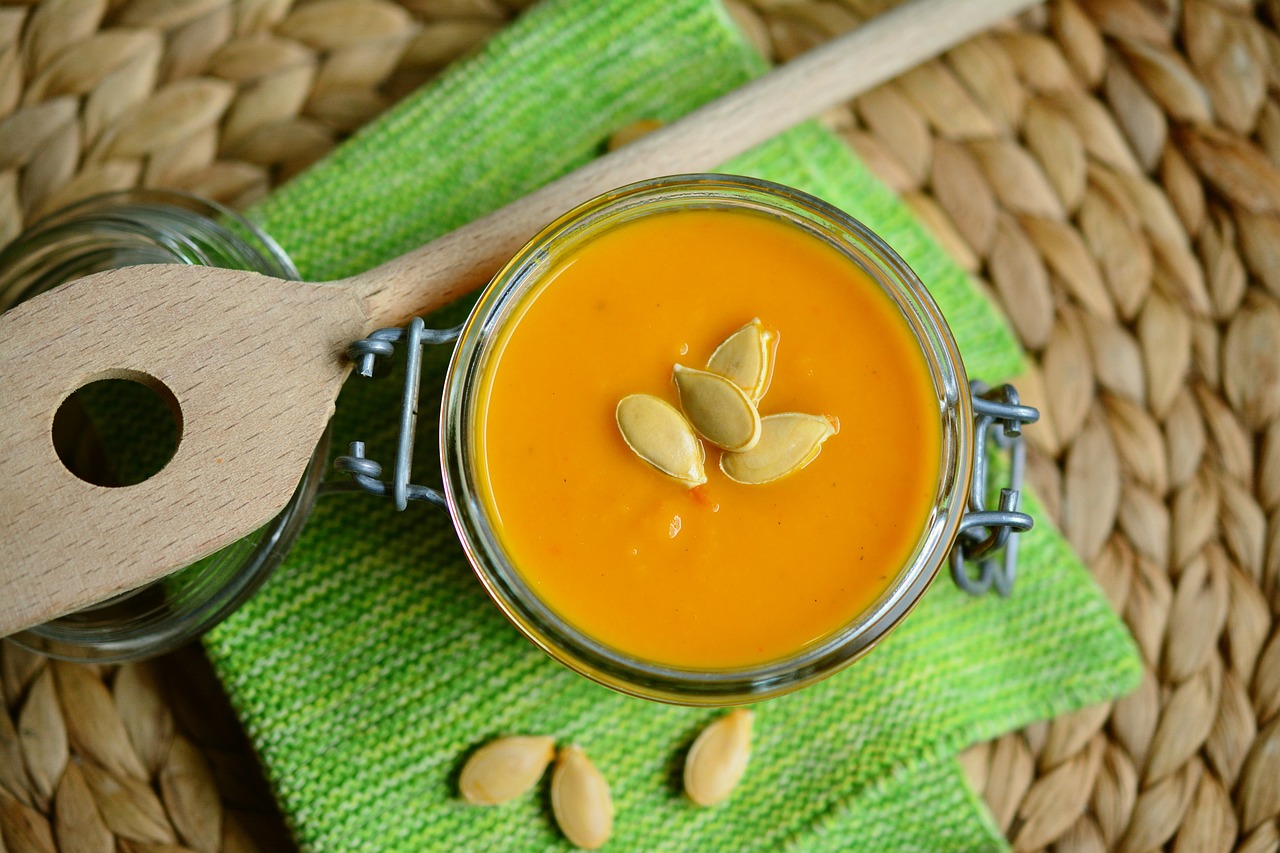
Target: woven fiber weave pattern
{"points": [[1109, 168], [222, 99]]}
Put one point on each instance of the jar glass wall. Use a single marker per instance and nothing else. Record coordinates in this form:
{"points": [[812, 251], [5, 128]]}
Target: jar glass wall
{"points": [[477, 351], [127, 229]]}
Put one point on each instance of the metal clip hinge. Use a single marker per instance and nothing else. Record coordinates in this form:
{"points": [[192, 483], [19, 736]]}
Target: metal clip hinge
{"points": [[984, 533], [366, 472]]}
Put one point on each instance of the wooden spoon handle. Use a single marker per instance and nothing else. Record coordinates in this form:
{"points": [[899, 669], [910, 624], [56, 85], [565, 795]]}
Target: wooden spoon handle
{"points": [[876, 51]]}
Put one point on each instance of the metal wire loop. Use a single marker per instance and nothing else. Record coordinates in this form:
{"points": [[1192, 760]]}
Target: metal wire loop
{"points": [[365, 472], [984, 533]]}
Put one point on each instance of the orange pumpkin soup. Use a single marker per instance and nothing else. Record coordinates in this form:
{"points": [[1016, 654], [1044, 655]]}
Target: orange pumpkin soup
{"points": [[723, 575]]}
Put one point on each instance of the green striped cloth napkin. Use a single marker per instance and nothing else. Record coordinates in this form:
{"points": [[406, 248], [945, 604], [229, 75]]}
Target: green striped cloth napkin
{"points": [[372, 662]]}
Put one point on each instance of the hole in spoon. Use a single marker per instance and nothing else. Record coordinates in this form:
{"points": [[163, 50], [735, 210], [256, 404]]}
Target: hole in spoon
{"points": [[118, 430]]}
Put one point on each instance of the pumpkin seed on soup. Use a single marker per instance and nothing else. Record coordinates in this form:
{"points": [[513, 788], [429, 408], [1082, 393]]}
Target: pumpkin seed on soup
{"points": [[746, 358], [657, 433], [718, 408], [788, 442]]}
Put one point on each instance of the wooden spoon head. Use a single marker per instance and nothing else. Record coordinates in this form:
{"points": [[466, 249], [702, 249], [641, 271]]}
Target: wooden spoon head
{"points": [[250, 364]]}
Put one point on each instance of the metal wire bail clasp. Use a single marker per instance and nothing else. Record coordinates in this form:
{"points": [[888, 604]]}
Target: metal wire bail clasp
{"points": [[365, 471], [983, 533]]}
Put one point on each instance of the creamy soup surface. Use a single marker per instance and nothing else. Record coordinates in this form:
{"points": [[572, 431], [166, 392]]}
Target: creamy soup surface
{"points": [[723, 575]]}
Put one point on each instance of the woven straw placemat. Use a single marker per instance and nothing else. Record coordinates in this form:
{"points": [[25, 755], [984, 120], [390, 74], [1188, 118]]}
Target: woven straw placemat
{"points": [[1108, 166]]}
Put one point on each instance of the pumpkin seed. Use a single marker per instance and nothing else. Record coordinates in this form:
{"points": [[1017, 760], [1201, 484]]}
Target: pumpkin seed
{"points": [[718, 409], [788, 442], [718, 758], [746, 358], [657, 433], [580, 800], [505, 768]]}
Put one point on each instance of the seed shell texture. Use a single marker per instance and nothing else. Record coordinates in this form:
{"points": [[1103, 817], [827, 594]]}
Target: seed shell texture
{"points": [[657, 433], [580, 800], [505, 768], [718, 758], [746, 358], [788, 442], [719, 410]]}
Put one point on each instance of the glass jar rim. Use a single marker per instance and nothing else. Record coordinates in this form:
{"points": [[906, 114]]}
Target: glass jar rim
{"points": [[573, 647]]}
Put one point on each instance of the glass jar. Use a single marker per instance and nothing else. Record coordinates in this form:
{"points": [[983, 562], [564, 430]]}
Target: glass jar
{"points": [[502, 303], [147, 227]]}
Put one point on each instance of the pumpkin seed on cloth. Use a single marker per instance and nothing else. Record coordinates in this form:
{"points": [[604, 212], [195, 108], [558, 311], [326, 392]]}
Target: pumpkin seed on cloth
{"points": [[505, 768], [580, 800], [788, 442], [657, 433], [718, 758], [746, 358], [718, 408]]}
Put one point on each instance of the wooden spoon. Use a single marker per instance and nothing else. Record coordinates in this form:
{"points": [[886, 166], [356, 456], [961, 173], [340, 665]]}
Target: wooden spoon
{"points": [[253, 365]]}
